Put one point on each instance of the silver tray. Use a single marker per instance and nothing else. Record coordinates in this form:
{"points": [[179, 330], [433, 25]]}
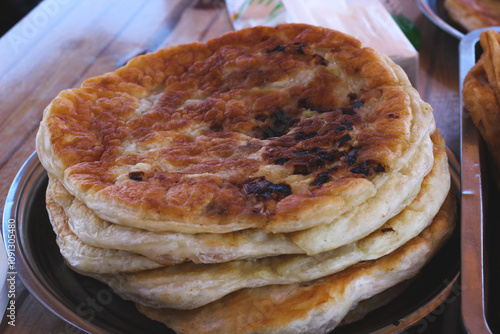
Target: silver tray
{"points": [[435, 11], [480, 232], [94, 308]]}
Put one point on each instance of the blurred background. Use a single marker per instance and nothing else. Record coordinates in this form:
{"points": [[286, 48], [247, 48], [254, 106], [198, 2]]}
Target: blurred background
{"points": [[11, 11]]}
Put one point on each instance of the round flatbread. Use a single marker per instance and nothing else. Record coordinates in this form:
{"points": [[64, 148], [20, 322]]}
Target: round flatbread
{"points": [[280, 128]]}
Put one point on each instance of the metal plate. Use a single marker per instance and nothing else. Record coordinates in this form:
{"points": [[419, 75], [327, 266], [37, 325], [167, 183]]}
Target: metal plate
{"points": [[94, 308], [435, 11], [480, 212]]}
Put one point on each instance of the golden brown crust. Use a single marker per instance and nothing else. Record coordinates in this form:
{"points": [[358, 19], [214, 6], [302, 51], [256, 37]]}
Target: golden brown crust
{"points": [[250, 130], [474, 14]]}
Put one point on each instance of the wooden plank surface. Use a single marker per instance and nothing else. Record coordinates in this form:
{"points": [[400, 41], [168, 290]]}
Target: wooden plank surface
{"points": [[63, 42]]}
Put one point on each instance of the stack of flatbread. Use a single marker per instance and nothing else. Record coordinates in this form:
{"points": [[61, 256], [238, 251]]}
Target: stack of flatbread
{"points": [[266, 181]]}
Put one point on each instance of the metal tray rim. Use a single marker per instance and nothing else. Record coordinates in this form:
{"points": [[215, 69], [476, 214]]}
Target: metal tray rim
{"points": [[427, 7], [474, 314]]}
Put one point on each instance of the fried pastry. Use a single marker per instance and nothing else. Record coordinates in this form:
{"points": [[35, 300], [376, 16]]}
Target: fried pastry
{"points": [[474, 14], [481, 96]]}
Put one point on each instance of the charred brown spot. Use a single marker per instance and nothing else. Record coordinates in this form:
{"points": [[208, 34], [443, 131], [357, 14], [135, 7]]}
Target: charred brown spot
{"points": [[360, 170], [281, 161], [318, 60], [393, 116], [387, 229], [319, 163], [321, 110], [303, 161], [300, 169], [301, 135], [357, 104], [261, 118], [333, 169], [280, 123], [339, 128], [278, 48], [352, 96], [345, 138], [329, 156], [364, 164], [305, 104], [368, 165], [348, 125], [348, 111], [320, 179], [301, 47], [215, 127], [351, 157], [215, 208], [136, 176], [379, 168], [263, 189]]}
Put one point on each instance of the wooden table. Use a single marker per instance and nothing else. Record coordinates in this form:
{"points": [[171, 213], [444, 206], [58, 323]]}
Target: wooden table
{"points": [[63, 42]]}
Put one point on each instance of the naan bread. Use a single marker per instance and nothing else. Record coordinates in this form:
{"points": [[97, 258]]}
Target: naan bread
{"points": [[280, 129], [189, 285], [481, 96], [312, 307], [84, 258]]}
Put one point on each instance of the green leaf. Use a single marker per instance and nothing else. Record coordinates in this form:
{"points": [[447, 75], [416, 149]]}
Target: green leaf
{"points": [[409, 29]]}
